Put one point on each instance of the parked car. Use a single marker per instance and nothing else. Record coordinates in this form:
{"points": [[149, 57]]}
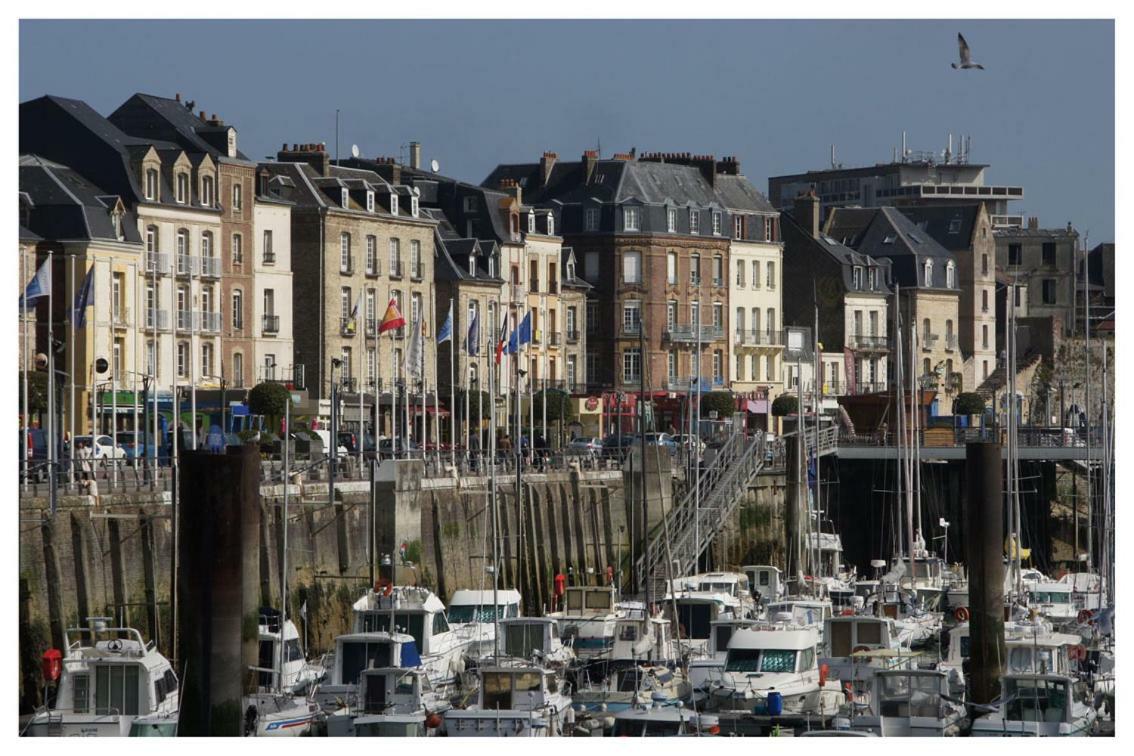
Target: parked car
{"points": [[588, 446], [405, 447], [136, 444], [616, 445], [661, 439], [689, 442], [349, 439], [324, 435], [102, 448]]}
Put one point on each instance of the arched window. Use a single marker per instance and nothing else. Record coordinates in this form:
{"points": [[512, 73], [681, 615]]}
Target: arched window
{"points": [[950, 271], [928, 267]]}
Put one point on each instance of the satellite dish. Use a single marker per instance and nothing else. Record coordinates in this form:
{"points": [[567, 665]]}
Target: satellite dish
{"points": [[354, 150], [435, 165]]}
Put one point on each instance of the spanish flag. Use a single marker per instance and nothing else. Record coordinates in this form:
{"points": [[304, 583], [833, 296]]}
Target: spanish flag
{"points": [[392, 319]]}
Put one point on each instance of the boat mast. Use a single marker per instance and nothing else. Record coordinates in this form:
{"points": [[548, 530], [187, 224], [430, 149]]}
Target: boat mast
{"points": [[911, 448], [900, 410], [816, 392], [283, 548], [492, 513]]}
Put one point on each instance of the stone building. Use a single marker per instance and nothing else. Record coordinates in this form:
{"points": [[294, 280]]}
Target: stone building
{"points": [[1046, 260], [270, 308]]}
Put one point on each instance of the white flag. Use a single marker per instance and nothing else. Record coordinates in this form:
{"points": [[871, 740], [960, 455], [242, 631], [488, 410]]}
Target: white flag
{"points": [[413, 354], [303, 610]]}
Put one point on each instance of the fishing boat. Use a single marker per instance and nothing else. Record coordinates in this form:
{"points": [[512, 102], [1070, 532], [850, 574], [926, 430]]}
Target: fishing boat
{"points": [[474, 609], [1039, 706], [390, 702], [770, 664], [910, 703], [663, 721], [119, 685], [1030, 646], [515, 698], [357, 652], [588, 618]]}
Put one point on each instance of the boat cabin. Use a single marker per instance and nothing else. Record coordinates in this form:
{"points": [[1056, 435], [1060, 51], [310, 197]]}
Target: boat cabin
{"points": [[800, 612], [906, 693], [476, 606], [642, 638], [358, 652], [588, 601], [518, 688], [764, 649], [414, 611], [392, 690], [1037, 698], [852, 634], [766, 582], [531, 638]]}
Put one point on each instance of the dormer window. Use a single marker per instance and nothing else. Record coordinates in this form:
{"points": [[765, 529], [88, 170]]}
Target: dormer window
{"points": [[570, 270], [531, 222], [694, 222], [551, 224], [717, 220], [472, 265], [182, 188], [491, 266], [151, 183], [116, 221], [207, 191], [630, 219], [591, 219], [738, 227], [671, 220], [370, 202], [856, 278], [872, 278], [414, 207], [393, 204], [470, 204], [928, 272], [344, 197]]}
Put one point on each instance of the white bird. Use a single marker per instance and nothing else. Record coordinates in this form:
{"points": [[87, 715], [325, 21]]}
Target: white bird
{"points": [[966, 55]]}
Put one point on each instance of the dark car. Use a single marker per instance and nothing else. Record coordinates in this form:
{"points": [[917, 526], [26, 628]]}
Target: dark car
{"points": [[405, 447], [616, 445], [349, 439]]}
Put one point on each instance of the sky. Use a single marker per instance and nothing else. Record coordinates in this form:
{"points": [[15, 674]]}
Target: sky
{"points": [[776, 94]]}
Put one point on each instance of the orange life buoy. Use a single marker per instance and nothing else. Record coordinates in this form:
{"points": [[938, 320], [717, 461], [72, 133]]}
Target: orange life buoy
{"points": [[384, 586], [860, 649], [1078, 652], [961, 613], [1085, 616]]}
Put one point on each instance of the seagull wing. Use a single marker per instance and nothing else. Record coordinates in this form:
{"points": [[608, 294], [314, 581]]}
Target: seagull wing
{"points": [[966, 56]]}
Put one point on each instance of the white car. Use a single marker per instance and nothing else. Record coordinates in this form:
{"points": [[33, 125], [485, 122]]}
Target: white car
{"points": [[102, 449]]}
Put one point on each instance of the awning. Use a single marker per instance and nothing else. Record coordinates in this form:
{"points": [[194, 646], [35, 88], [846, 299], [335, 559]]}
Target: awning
{"points": [[757, 406]]}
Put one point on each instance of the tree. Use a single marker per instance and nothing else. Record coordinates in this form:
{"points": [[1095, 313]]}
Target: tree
{"points": [[270, 400], [785, 404], [721, 402], [37, 392], [559, 406], [969, 403]]}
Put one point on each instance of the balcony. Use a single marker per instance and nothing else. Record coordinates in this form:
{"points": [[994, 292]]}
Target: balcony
{"points": [[869, 342], [758, 338], [348, 385], [688, 333], [951, 342], [120, 317], [928, 341], [269, 257], [396, 269], [631, 329], [157, 319], [690, 383], [185, 320], [157, 263], [572, 336], [210, 322], [187, 265], [346, 267], [210, 267], [694, 280], [271, 325], [293, 377], [834, 388], [555, 338], [348, 326], [718, 282]]}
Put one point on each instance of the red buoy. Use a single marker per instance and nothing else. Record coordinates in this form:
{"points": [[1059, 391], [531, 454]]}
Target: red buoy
{"points": [[433, 721], [52, 664], [824, 670]]}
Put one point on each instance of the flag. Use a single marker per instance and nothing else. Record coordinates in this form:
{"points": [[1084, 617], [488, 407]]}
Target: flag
{"points": [[472, 341], [521, 336], [501, 338], [353, 324], [446, 332], [82, 300], [392, 319], [303, 610], [413, 354], [39, 286]]}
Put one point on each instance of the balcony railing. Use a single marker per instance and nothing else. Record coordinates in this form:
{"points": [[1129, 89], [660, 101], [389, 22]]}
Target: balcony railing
{"points": [[416, 271], [374, 268], [269, 257], [395, 269], [555, 338], [187, 265], [157, 263], [573, 336], [951, 343], [928, 341], [758, 338], [869, 342], [271, 324], [718, 282], [292, 376], [347, 267], [688, 333], [210, 267], [185, 320], [348, 326], [157, 318], [631, 329], [371, 327], [210, 321]]}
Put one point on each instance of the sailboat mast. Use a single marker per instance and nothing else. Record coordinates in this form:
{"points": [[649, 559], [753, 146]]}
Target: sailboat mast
{"points": [[283, 547], [911, 448], [492, 509], [899, 407], [816, 387]]}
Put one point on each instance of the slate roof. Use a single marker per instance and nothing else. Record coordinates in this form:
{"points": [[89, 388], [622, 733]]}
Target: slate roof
{"points": [[739, 194], [890, 234], [797, 238], [952, 226], [65, 206], [167, 119]]}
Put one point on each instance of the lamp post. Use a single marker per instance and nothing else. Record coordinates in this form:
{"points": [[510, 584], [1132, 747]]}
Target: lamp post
{"points": [[333, 452]]}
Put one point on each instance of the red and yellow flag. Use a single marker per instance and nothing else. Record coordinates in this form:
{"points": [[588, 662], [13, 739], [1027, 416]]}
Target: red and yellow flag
{"points": [[392, 319]]}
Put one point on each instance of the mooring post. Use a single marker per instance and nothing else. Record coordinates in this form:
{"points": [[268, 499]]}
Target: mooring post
{"points": [[985, 527]]}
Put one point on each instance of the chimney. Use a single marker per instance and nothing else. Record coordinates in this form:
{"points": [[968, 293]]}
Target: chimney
{"points": [[177, 97], [415, 155], [590, 157], [546, 165], [201, 115], [806, 212], [729, 166], [1033, 223], [314, 155], [510, 187]]}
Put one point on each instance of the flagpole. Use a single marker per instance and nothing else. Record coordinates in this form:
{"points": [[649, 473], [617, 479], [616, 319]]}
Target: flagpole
{"points": [[71, 375], [134, 351], [452, 389], [24, 376], [51, 429], [393, 401]]}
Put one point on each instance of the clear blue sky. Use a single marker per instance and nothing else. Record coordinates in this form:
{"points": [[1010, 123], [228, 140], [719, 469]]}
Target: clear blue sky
{"points": [[775, 93]]}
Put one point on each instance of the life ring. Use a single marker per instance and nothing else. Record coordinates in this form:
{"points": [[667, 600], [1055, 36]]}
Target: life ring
{"points": [[1085, 616], [384, 586], [859, 650], [961, 614], [848, 612], [1078, 652]]}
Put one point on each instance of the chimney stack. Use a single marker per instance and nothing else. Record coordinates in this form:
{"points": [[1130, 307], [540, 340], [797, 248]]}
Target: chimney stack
{"points": [[806, 212], [1033, 223], [415, 155], [590, 157], [315, 155], [512, 188], [546, 165]]}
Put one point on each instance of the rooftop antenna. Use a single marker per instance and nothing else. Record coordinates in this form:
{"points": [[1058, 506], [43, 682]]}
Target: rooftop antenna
{"points": [[904, 150], [833, 157], [598, 145], [949, 148], [336, 135]]}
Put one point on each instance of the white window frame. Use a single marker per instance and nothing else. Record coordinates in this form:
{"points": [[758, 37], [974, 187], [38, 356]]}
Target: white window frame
{"points": [[591, 219], [630, 219], [694, 222], [531, 221], [369, 201], [393, 204], [636, 276], [671, 220], [717, 223], [345, 252]]}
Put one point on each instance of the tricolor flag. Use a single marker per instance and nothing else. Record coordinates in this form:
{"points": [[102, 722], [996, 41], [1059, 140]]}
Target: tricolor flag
{"points": [[501, 338], [392, 319], [472, 341], [39, 287], [83, 300], [414, 353], [446, 332]]}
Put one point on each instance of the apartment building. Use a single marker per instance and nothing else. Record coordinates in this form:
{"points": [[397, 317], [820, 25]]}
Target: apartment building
{"points": [[271, 295], [1045, 260]]}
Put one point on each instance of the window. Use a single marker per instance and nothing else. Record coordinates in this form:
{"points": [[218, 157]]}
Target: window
{"points": [[985, 365], [237, 249], [769, 229], [371, 366], [718, 367], [872, 278], [237, 198], [369, 202], [717, 223], [694, 222], [116, 285], [415, 259], [207, 245], [1016, 295], [632, 267], [183, 265], [393, 204], [207, 191], [671, 314], [950, 275], [756, 320], [269, 251], [718, 271], [856, 278], [531, 221], [755, 274], [632, 365], [151, 306], [182, 359], [630, 219], [344, 302], [592, 367], [984, 300], [206, 359], [1014, 254], [550, 223], [119, 346], [396, 258], [151, 183], [347, 368], [671, 268], [670, 220], [182, 188], [1048, 252], [371, 255], [631, 316], [873, 322], [371, 310], [984, 264], [671, 365], [927, 274], [572, 328], [695, 313], [740, 367], [591, 219], [237, 309], [754, 366], [740, 273], [416, 311], [533, 275], [1049, 291], [984, 336], [695, 269], [770, 267], [770, 320], [738, 227], [116, 689], [592, 316], [344, 197], [718, 315], [344, 252]]}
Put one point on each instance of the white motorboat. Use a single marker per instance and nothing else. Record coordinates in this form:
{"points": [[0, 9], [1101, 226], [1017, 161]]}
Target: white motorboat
{"points": [[1030, 646], [774, 660], [856, 646], [535, 639], [766, 582], [269, 713], [709, 666], [588, 618], [1055, 602], [910, 703], [811, 612], [390, 702], [663, 721], [299, 675], [117, 686], [634, 685], [1039, 706], [515, 698], [474, 609], [357, 652], [700, 600]]}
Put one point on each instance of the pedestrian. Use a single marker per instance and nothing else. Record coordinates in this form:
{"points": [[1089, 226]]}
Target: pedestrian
{"points": [[85, 463]]}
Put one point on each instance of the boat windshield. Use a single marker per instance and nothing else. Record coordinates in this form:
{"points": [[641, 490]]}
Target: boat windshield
{"points": [[1020, 660], [1036, 700], [726, 588], [911, 696], [1047, 597], [521, 640], [694, 619], [360, 655], [411, 623], [757, 660], [637, 728], [462, 613]]}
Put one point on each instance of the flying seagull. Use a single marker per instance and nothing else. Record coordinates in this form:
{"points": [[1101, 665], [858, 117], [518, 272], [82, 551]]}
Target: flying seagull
{"points": [[966, 55]]}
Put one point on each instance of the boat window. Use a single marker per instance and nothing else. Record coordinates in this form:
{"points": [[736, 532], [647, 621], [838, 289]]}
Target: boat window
{"points": [[404, 622], [523, 682], [376, 700], [116, 689], [463, 613], [634, 728], [439, 623], [598, 600], [552, 683], [574, 600], [662, 729], [777, 660], [628, 633], [496, 688], [694, 620], [1036, 700], [724, 632], [806, 659], [80, 693], [359, 655], [870, 632], [743, 660], [142, 729], [520, 640], [1045, 597], [294, 652], [405, 685], [1020, 659], [764, 578], [966, 645], [841, 638]]}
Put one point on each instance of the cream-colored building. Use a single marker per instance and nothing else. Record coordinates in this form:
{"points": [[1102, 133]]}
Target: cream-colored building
{"points": [[271, 298]]}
